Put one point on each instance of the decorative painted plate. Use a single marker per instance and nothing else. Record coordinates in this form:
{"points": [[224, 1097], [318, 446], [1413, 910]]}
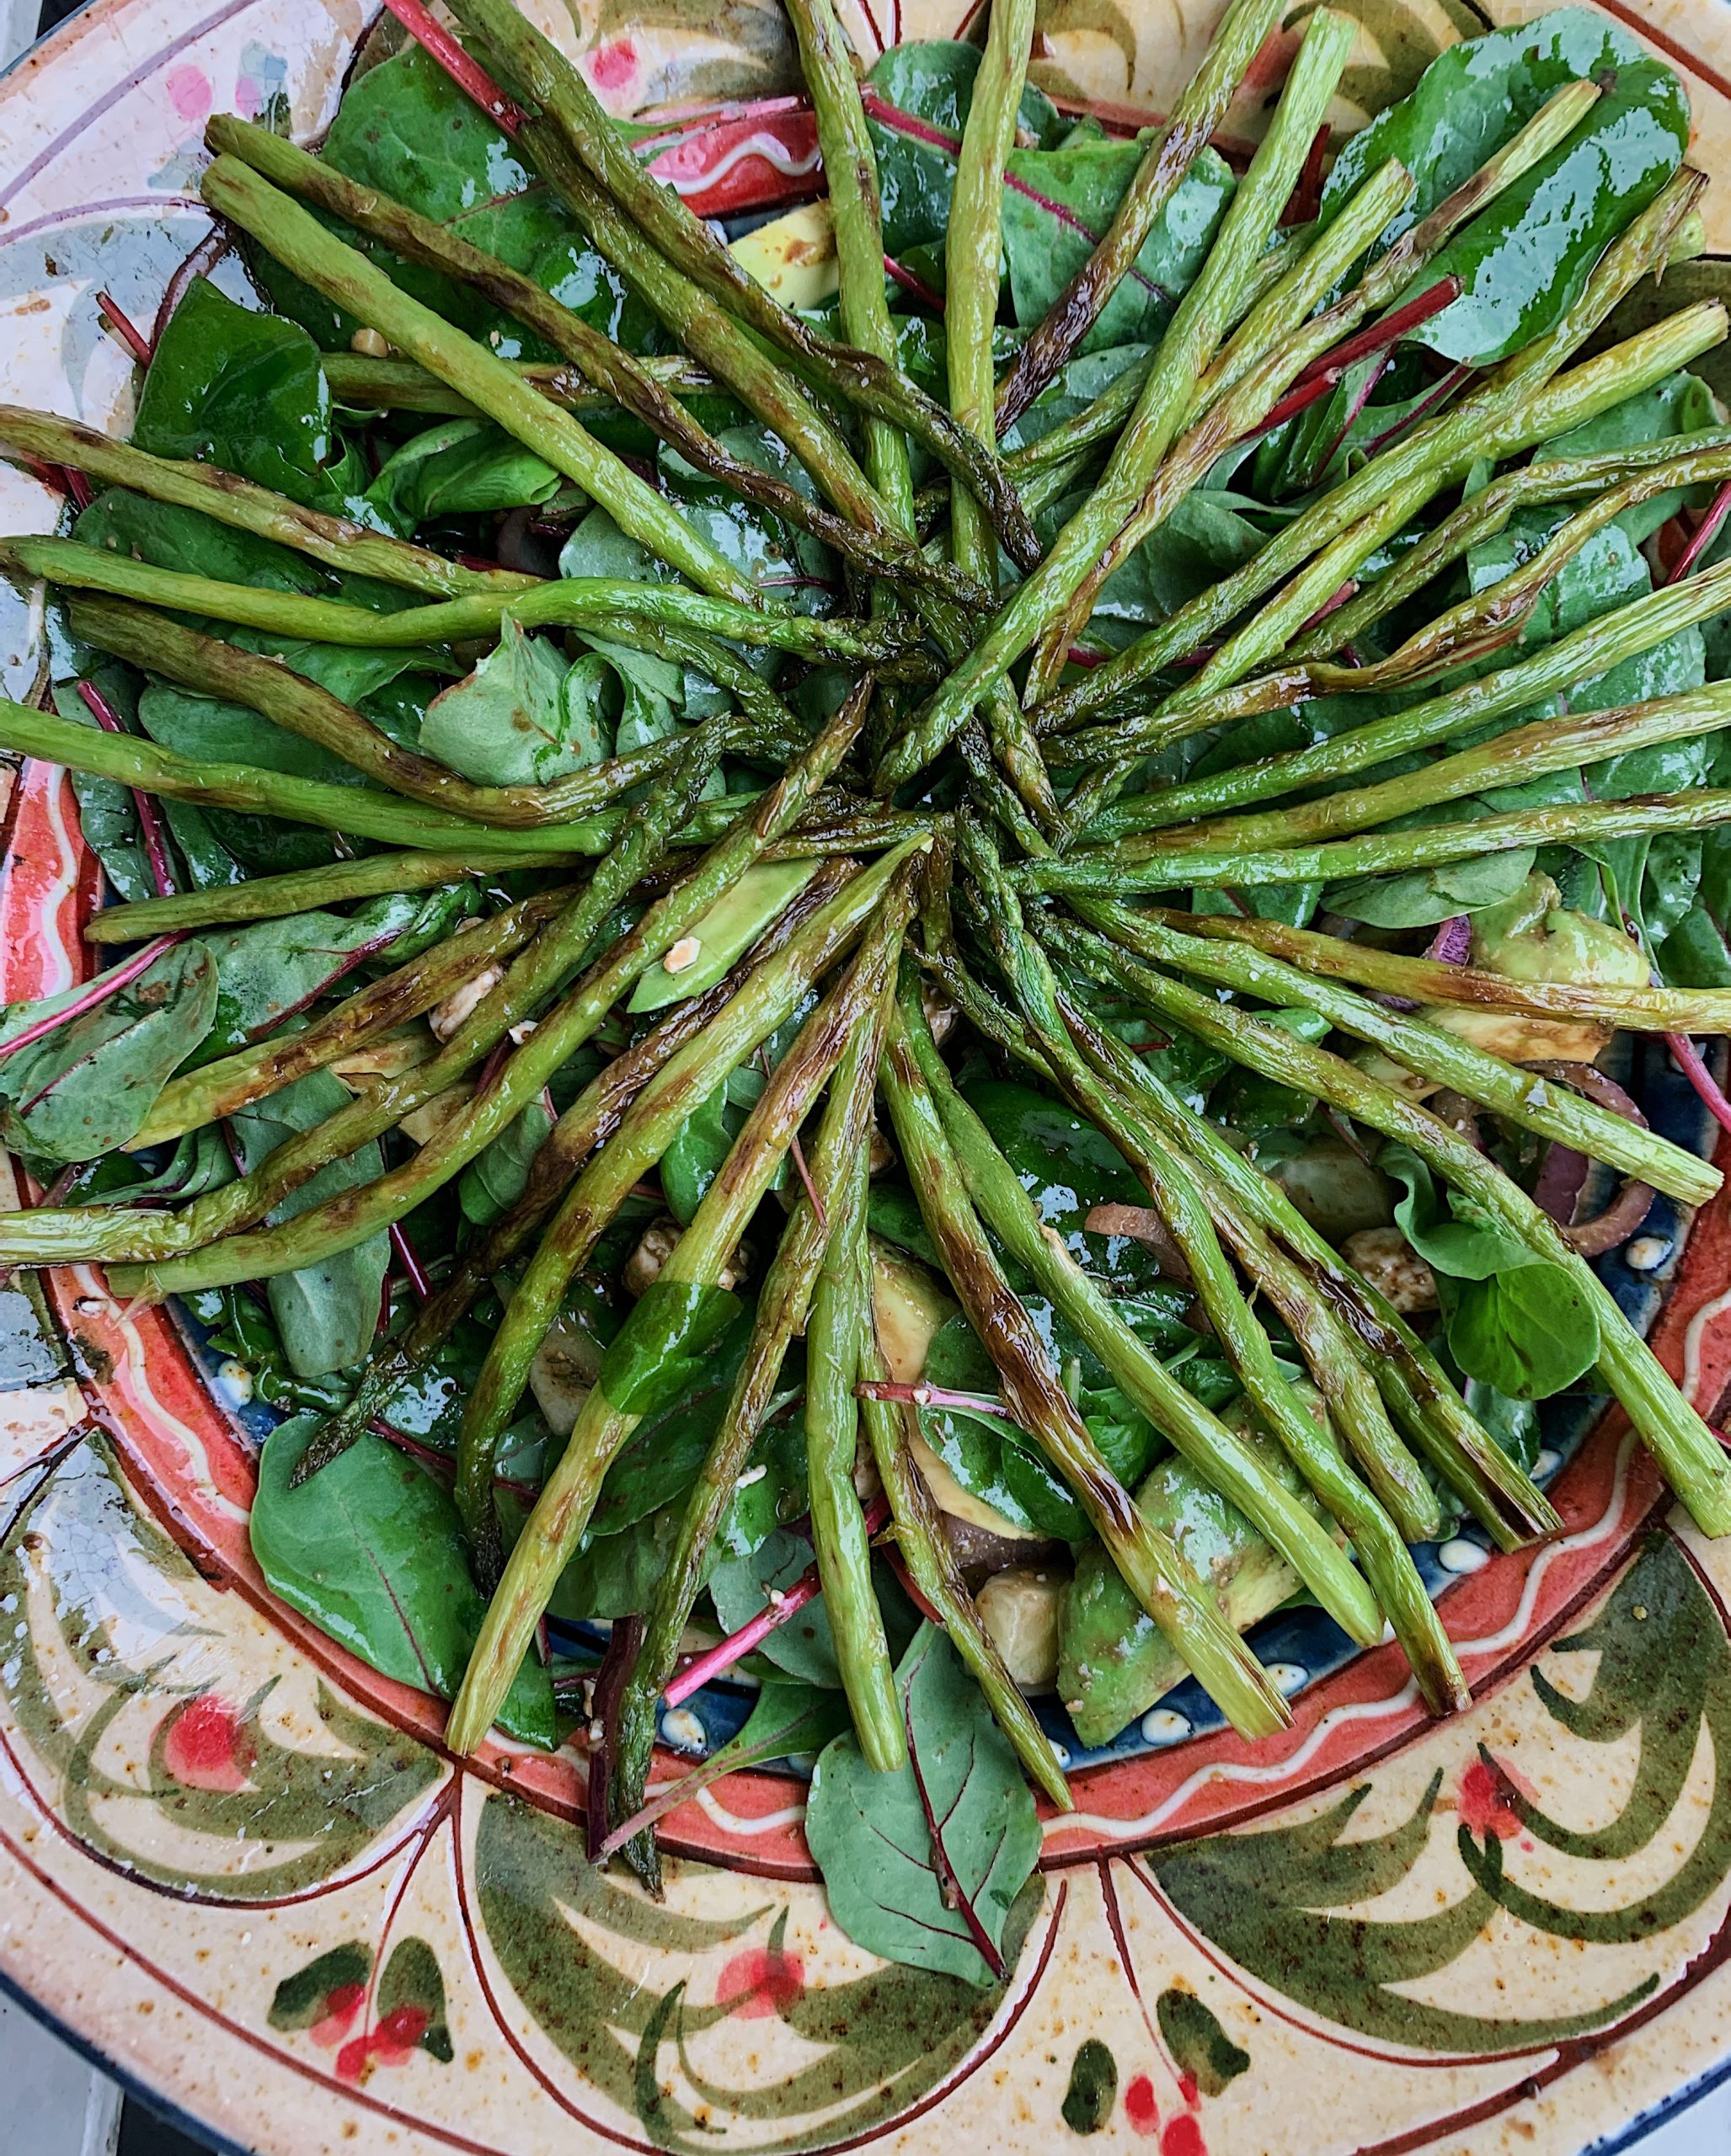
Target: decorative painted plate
{"points": [[241, 1867]]}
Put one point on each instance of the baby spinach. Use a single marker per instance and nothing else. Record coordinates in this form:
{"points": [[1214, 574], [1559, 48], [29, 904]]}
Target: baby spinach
{"points": [[924, 1865], [1523, 260], [248, 391], [169, 537], [932, 83], [1057, 205], [406, 128], [1067, 1167], [493, 1181], [85, 1088], [1513, 1322], [459, 468], [1529, 1332], [327, 1312], [509, 722], [269, 970], [370, 1550], [741, 1586]]}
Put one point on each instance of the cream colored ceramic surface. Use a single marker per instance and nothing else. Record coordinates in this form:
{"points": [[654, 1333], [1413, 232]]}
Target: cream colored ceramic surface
{"points": [[242, 1867]]}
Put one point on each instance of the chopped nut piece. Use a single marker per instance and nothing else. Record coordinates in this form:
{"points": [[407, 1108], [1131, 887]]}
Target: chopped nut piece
{"points": [[445, 1018], [1389, 1263]]}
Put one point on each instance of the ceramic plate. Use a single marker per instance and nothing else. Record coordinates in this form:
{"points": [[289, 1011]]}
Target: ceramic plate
{"points": [[241, 1868]]}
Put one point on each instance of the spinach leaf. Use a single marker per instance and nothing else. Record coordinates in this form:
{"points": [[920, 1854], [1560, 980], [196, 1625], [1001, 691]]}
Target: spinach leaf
{"points": [[923, 1865], [497, 1178], [108, 813], [1419, 898], [790, 1719], [85, 1088], [1059, 197], [459, 468], [1529, 1332], [269, 970], [616, 1575], [248, 392], [1513, 1423], [370, 1550], [931, 82], [406, 128], [1462, 1242], [327, 1313], [740, 1587], [171, 537], [667, 1448], [509, 722], [1514, 1322], [1057, 205], [1067, 1167], [1523, 260]]}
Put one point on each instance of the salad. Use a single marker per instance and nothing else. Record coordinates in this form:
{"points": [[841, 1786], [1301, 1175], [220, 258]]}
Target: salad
{"points": [[886, 959]]}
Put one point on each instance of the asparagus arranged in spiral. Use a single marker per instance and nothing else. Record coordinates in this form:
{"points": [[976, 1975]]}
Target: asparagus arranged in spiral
{"points": [[771, 897]]}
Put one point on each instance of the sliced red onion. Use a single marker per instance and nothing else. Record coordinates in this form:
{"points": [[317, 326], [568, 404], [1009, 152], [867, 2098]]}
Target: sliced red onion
{"points": [[1562, 1178], [1452, 943], [1564, 1173], [1143, 1225], [1693, 1066]]}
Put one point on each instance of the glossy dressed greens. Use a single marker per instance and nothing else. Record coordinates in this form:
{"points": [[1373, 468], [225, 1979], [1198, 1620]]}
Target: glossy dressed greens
{"points": [[904, 1000]]}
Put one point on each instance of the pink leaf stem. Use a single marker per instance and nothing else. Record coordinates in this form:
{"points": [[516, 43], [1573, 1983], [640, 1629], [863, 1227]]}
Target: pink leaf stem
{"points": [[136, 342], [1378, 336], [412, 1271], [785, 1603], [1693, 1066], [1704, 535], [200, 263], [928, 1396], [466, 73], [95, 993], [910, 280], [150, 823]]}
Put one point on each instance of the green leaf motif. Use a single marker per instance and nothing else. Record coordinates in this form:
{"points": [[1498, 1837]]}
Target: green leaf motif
{"points": [[1663, 1668], [1199, 2046], [273, 1820], [411, 1990], [1094, 2088], [1278, 1902], [303, 1999], [901, 1853], [878, 2043]]}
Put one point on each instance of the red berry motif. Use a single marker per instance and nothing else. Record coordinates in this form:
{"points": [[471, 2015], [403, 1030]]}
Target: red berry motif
{"points": [[206, 1745], [759, 1981]]}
